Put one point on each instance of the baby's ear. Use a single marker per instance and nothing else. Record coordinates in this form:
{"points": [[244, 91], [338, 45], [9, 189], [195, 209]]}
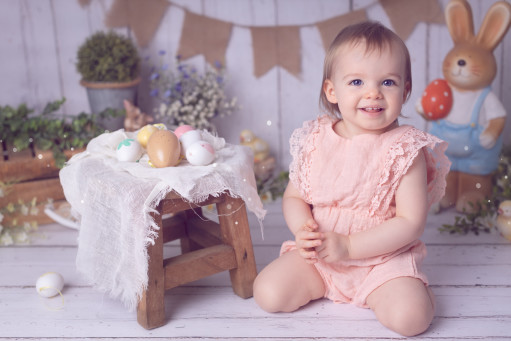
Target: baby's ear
{"points": [[328, 89], [407, 91]]}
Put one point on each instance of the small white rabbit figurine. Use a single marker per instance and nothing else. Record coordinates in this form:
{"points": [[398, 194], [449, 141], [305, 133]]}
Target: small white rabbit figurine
{"points": [[474, 125]]}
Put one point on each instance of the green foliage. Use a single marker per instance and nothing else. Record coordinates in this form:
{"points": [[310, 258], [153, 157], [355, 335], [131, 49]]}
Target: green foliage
{"points": [[274, 187], [483, 219], [108, 57], [47, 132]]}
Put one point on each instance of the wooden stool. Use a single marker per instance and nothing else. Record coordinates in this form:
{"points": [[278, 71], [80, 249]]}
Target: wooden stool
{"points": [[207, 248]]}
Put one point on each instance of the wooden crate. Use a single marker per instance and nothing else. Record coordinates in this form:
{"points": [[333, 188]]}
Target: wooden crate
{"points": [[33, 174]]}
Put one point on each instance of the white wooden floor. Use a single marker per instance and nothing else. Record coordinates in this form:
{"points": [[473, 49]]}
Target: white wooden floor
{"points": [[470, 275]]}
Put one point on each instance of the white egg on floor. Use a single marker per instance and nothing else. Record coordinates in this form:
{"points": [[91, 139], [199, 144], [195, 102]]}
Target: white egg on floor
{"points": [[50, 284]]}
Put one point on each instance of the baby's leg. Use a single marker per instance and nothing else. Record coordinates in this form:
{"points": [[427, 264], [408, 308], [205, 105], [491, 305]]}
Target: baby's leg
{"points": [[287, 283], [404, 305]]}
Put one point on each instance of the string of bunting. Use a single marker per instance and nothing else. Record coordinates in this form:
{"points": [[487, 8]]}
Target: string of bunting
{"points": [[271, 45]]}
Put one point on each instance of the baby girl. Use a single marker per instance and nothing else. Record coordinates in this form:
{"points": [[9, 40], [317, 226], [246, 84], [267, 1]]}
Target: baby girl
{"points": [[359, 192]]}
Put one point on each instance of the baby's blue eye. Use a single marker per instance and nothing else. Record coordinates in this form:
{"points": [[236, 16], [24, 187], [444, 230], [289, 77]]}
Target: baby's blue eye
{"points": [[356, 82], [388, 82]]}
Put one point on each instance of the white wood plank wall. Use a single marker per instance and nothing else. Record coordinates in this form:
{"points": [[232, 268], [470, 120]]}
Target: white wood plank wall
{"points": [[39, 40]]}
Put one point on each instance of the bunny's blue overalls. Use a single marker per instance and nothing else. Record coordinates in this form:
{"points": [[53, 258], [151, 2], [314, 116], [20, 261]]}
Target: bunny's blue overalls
{"points": [[464, 151]]}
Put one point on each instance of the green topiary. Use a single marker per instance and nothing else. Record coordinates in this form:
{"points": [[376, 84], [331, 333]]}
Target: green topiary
{"points": [[108, 57]]}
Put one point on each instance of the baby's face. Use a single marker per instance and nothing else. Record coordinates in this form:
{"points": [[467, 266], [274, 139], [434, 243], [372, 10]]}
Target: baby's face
{"points": [[369, 87]]}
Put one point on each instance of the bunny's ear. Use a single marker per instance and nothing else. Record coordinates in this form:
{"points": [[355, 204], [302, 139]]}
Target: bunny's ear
{"points": [[458, 16], [495, 25]]}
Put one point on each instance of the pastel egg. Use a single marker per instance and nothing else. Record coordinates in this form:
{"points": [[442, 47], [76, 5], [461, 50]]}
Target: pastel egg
{"points": [[145, 133], [163, 149], [200, 153], [50, 284], [129, 150], [187, 135], [437, 100]]}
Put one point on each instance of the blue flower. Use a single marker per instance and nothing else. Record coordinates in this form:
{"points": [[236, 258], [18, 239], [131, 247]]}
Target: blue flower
{"points": [[154, 93], [162, 52], [218, 65], [167, 93], [178, 87], [219, 79], [165, 67], [154, 75]]}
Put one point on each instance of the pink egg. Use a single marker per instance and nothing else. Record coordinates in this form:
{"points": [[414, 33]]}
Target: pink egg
{"points": [[183, 129]]}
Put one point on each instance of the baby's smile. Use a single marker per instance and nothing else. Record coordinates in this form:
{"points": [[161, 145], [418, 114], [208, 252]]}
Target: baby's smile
{"points": [[372, 110]]}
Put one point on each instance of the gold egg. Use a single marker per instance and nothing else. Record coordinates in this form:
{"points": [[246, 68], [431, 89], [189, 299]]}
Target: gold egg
{"points": [[145, 133]]}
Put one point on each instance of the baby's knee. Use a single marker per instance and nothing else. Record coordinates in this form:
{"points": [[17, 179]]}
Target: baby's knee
{"points": [[410, 321], [267, 295]]}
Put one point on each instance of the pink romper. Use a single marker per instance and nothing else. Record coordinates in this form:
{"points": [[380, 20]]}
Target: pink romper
{"points": [[351, 185]]}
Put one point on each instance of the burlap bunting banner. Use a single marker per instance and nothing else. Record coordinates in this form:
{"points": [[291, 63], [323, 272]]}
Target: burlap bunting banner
{"points": [[279, 45], [272, 46], [404, 15], [206, 36], [331, 27], [142, 16]]}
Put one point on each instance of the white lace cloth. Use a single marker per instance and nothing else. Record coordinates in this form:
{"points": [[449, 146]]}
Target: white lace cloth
{"points": [[112, 200]]}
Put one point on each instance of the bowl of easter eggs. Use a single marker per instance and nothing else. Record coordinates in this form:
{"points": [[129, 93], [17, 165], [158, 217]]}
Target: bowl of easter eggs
{"points": [[167, 148]]}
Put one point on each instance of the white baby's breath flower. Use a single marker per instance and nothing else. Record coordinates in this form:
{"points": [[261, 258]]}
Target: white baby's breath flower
{"points": [[490, 221], [6, 238], [188, 97], [24, 209], [20, 237]]}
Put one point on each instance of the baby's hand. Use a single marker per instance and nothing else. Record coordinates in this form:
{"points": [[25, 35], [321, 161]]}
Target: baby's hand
{"points": [[334, 247], [487, 140], [307, 239]]}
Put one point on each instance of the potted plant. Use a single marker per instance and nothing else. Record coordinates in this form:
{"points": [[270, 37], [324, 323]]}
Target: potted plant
{"points": [[110, 65]]}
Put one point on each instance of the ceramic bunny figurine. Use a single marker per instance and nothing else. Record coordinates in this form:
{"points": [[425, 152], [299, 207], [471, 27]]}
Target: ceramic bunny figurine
{"points": [[135, 119], [474, 125]]}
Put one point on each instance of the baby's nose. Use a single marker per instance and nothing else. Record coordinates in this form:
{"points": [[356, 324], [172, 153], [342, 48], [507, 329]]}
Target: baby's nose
{"points": [[373, 92]]}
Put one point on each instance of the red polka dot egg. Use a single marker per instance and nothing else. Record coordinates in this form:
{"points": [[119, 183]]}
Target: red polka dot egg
{"points": [[437, 100]]}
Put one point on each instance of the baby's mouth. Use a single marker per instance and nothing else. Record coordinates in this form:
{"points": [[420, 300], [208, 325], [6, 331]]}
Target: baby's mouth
{"points": [[371, 109]]}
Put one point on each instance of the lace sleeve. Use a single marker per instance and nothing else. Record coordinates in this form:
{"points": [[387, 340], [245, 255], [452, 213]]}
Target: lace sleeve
{"points": [[301, 145], [401, 157]]}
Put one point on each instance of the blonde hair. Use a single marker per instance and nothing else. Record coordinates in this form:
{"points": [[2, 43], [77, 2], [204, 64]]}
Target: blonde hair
{"points": [[376, 37]]}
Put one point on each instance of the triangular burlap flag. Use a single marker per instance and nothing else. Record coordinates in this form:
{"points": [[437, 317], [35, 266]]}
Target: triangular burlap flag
{"points": [[274, 46], [84, 3], [142, 16], [331, 27], [206, 36], [405, 14]]}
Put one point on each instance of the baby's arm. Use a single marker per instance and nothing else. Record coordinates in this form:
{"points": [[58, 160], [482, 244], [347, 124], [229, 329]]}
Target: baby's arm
{"points": [[408, 224], [406, 227], [298, 216]]}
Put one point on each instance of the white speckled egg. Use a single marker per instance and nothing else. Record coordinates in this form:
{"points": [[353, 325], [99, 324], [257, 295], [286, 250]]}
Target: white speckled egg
{"points": [[50, 284], [129, 150], [200, 153]]}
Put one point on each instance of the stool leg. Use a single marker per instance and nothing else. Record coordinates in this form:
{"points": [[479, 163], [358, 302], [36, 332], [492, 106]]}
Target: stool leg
{"points": [[233, 220], [151, 308]]}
